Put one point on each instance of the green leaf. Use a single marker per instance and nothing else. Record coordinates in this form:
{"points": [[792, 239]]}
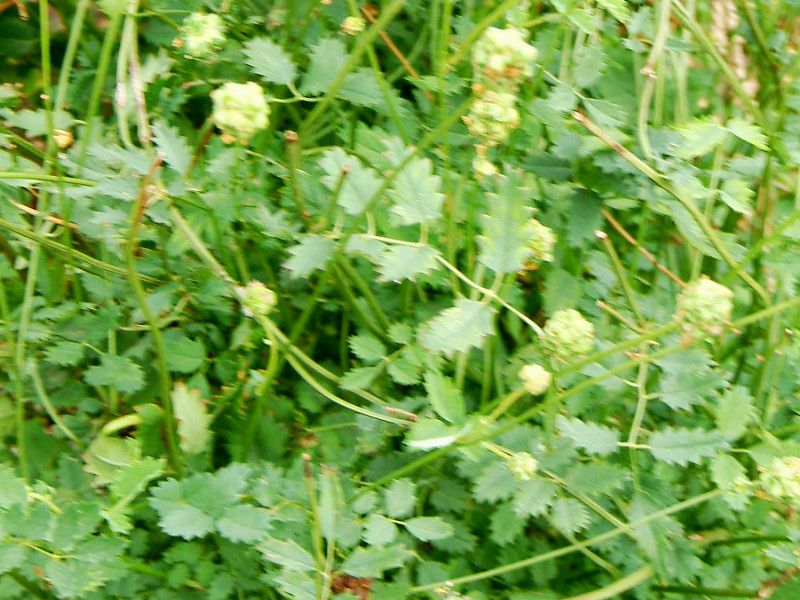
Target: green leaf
{"points": [[427, 434], [116, 371], [687, 379], [534, 497], [12, 556], [289, 554], [400, 262], [399, 498], [415, 190], [726, 471], [372, 562], [361, 88], [593, 438], [327, 58], [735, 411], [379, 531], [738, 195], [683, 446], [177, 517], [748, 132], [129, 482], [445, 397], [618, 9], [311, 254], [12, 489], [504, 243], [459, 328], [183, 355], [359, 378], [173, 146], [244, 523], [789, 590], [700, 137], [358, 183], [596, 478], [270, 61], [505, 524], [193, 419], [429, 528], [569, 516], [367, 347], [65, 354], [495, 482]]}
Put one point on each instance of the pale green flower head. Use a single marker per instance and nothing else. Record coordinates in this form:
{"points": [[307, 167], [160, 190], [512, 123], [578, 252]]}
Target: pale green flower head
{"points": [[781, 479], [567, 335], [706, 305], [502, 58], [257, 299], [542, 241], [202, 34], [492, 118], [353, 25], [523, 465], [535, 379], [240, 109]]}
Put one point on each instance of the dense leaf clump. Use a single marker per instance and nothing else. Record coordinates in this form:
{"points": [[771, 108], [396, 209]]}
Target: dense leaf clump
{"points": [[408, 299]]}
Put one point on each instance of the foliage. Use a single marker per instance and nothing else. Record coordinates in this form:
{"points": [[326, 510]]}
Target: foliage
{"points": [[277, 291]]}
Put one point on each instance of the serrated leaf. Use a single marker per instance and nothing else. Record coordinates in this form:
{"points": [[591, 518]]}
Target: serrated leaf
{"points": [[737, 195], [183, 354], [118, 372], [505, 232], [429, 528], [367, 347], [173, 146], [289, 554], [427, 434], [594, 438], [12, 489], [361, 88], [683, 446], [748, 132], [270, 61], [65, 354], [459, 328], [700, 137], [595, 478], [177, 517], [534, 497], [505, 525], [193, 419], [735, 411], [400, 262], [372, 562], [690, 384], [415, 190], [726, 471], [569, 516], [379, 531], [359, 378], [311, 254], [399, 498], [358, 183], [445, 397], [403, 372], [326, 59], [244, 523], [495, 482], [129, 482]]}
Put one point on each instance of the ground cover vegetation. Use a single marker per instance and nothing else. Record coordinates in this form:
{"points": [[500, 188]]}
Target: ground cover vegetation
{"points": [[414, 299]]}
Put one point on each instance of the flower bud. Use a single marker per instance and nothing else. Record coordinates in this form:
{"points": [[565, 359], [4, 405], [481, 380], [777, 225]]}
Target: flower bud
{"points": [[523, 465], [202, 34], [257, 299], [781, 479], [568, 335], [706, 305], [492, 118], [63, 138], [240, 109], [535, 379], [353, 25], [541, 242]]}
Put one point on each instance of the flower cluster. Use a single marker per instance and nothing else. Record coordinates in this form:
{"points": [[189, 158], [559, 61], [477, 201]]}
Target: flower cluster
{"points": [[781, 479], [522, 465], [568, 335], [541, 242], [240, 110], [257, 299], [705, 305], [535, 379], [353, 25], [201, 35], [501, 60]]}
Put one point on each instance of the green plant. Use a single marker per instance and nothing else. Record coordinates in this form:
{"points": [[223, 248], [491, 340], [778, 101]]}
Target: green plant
{"points": [[324, 300]]}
